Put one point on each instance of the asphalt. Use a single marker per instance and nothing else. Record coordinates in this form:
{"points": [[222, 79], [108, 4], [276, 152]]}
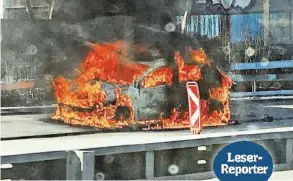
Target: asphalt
{"points": [[250, 113], [248, 110], [27, 126]]}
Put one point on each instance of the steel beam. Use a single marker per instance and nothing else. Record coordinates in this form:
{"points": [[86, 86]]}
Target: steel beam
{"points": [[289, 153], [80, 165], [149, 165]]}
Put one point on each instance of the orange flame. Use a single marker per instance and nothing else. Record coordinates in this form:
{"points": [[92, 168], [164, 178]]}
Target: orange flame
{"points": [[84, 96], [187, 72], [219, 93], [226, 81], [199, 57], [161, 76]]}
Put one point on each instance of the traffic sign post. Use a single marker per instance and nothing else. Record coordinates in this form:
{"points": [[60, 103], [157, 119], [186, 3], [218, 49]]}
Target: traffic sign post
{"points": [[194, 107]]}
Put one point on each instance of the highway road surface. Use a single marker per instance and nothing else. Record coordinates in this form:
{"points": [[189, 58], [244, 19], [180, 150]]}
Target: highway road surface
{"points": [[27, 126]]}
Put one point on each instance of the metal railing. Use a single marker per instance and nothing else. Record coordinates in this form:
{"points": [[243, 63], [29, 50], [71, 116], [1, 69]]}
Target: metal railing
{"points": [[81, 163], [264, 77]]}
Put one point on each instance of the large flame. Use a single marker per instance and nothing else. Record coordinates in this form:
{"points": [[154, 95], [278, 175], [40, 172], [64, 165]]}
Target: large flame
{"points": [[82, 101], [160, 76], [199, 57]]}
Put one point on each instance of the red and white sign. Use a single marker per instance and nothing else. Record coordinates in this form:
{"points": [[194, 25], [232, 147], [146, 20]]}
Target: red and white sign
{"points": [[193, 104]]}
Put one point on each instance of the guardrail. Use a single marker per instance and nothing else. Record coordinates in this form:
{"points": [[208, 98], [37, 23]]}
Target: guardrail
{"points": [[264, 78], [262, 65], [81, 163]]}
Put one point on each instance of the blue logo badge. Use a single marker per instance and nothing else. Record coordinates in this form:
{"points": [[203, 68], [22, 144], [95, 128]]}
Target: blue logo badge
{"points": [[243, 161]]}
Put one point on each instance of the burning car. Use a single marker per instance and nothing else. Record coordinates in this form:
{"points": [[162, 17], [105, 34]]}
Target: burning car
{"points": [[112, 91]]}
